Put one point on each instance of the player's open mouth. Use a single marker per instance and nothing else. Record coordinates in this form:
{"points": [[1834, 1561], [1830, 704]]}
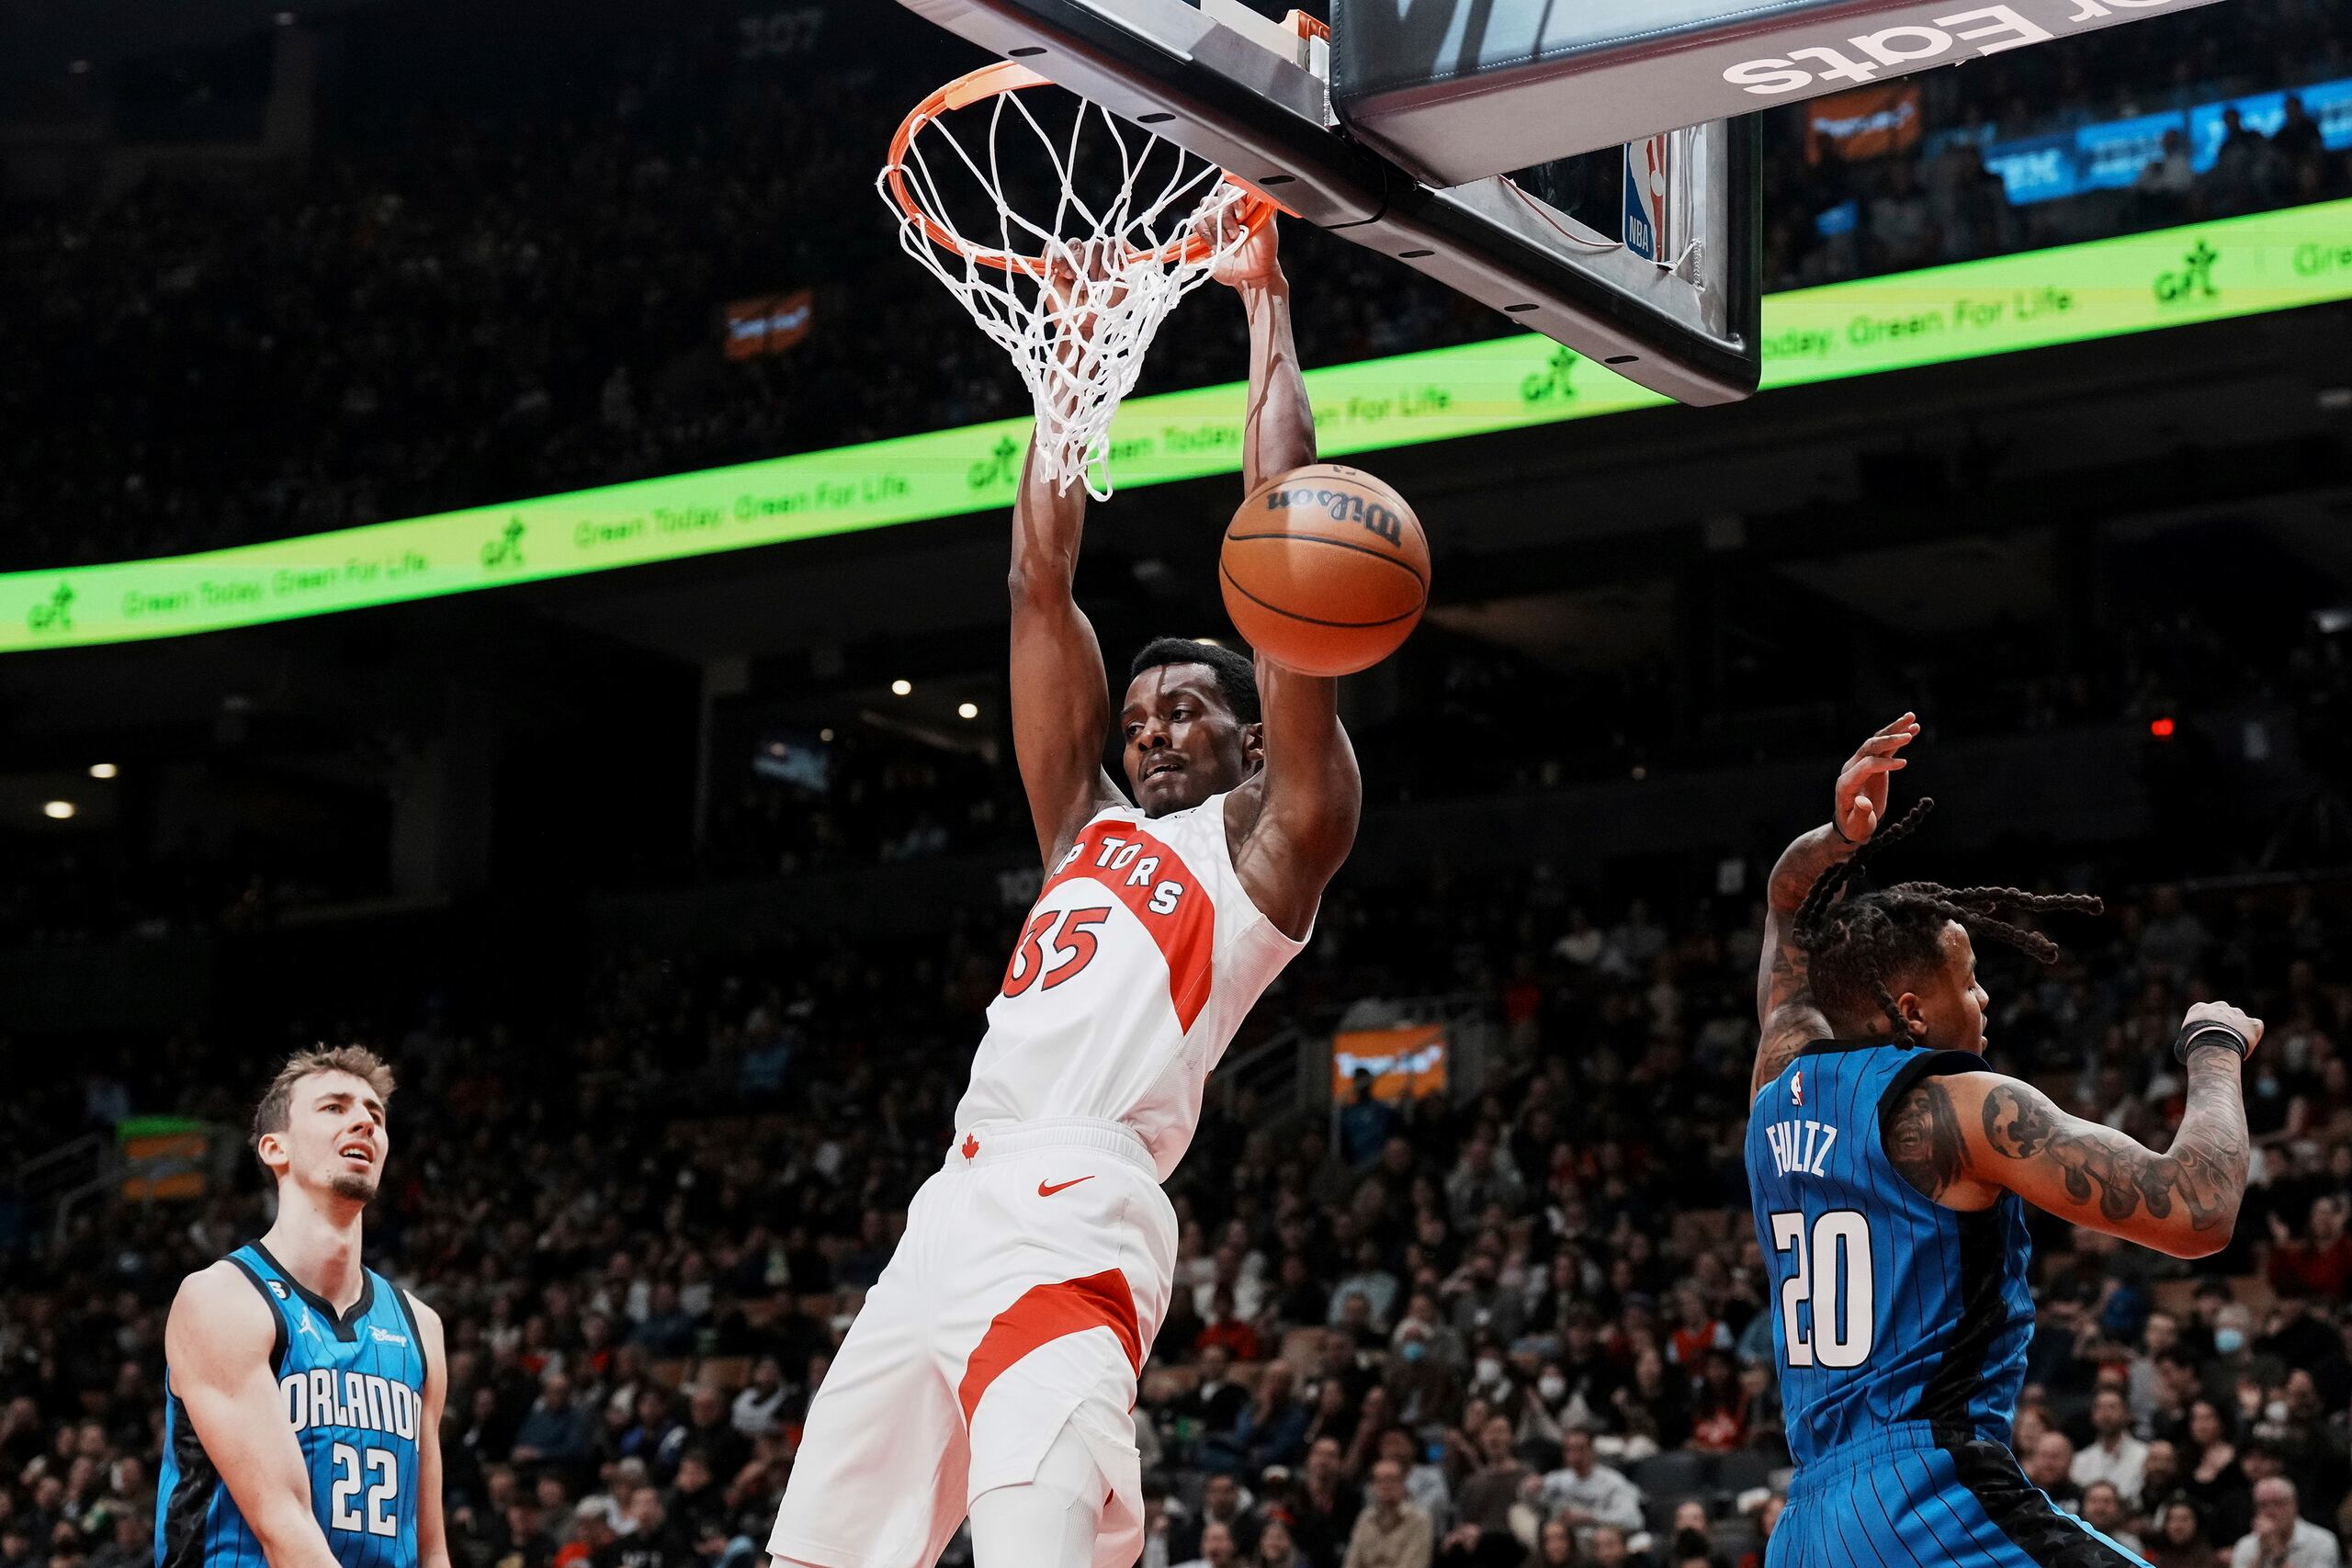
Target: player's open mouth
{"points": [[359, 1152], [1154, 770]]}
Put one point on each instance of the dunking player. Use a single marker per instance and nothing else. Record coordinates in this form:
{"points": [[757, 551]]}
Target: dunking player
{"points": [[993, 1366], [1890, 1171], [302, 1409]]}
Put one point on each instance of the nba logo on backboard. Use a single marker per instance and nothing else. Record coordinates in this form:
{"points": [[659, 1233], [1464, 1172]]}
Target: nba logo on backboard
{"points": [[1796, 1086], [1646, 186]]}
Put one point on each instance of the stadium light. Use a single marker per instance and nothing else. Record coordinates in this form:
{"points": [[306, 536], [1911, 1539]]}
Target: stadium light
{"points": [[901, 688], [2161, 727], [967, 710], [58, 811], [102, 770]]}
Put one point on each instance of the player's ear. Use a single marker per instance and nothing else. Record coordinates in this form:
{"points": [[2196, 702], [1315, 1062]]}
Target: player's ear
{"points": [[1915, 1018], [1254, 743]]}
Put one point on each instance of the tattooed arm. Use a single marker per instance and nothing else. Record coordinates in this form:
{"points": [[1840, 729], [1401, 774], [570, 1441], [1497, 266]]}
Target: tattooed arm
{"points": [[1964, 1139], [1784, 1005]]}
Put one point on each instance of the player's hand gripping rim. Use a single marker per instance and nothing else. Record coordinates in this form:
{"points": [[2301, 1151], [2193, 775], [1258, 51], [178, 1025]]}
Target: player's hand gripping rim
{"points": [[1253, 263], [1859, 804]]}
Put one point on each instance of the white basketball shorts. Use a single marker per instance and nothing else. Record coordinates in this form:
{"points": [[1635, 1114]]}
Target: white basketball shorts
{"points": [[1034, 1271]]}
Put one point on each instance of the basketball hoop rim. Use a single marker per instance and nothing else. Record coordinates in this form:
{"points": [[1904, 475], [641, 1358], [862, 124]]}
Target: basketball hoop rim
{"points": [[1255, 212]]}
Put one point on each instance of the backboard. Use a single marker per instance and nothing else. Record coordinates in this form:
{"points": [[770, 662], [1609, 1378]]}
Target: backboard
{"points": [[1648, 261], [1454, 89]]}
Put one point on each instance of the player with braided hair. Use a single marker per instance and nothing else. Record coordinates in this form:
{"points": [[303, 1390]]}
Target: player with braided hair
{"points": [[1890, 1169]]}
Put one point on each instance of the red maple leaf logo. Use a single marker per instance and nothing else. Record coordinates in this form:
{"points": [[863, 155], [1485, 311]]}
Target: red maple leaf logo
{"points": [[971, 1145]]}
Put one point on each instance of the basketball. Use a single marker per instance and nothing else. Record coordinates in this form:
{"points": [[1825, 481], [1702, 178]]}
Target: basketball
{"points": [[1325, 570]]}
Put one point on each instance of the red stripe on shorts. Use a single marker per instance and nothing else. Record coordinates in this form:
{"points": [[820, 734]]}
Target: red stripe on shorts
{"points": [[1046, 1312]]}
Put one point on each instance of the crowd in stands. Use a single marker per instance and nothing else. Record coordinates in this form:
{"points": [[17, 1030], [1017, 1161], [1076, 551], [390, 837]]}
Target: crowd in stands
{"points": [[1524, 1325], [1828, 219], [881, 796], [462, 299]]}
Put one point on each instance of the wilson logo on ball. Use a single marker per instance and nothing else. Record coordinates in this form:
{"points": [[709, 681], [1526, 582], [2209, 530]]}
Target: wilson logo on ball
{"points": [[1340, 506], [1303, 585]]}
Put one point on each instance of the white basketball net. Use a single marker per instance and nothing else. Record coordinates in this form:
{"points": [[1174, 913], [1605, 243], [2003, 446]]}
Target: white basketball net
{"points": [[1127, 239]]}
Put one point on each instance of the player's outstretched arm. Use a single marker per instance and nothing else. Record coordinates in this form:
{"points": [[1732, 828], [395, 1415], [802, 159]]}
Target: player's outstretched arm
{"points": [[432, 1532], [1061, 698], [1302, 807], [1784, 1005], [218, 1342], [1278, 423], [1961, 1139]]}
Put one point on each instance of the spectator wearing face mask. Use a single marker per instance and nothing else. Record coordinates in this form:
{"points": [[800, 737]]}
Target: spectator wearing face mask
{"points": [[2235, 1360]]}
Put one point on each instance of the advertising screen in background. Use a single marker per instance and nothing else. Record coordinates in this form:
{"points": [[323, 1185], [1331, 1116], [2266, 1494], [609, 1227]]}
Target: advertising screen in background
{"points": [[2132, 283], [167, 1156], [769, 324], [1869, 122], [2111, 153], [1406, 1062]]}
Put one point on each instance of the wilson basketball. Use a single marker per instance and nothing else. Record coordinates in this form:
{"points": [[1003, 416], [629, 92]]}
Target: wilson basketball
{"points": [[1325, 570]]}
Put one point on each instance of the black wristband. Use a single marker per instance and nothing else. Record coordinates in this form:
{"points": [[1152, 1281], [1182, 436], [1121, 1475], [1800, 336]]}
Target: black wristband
{"points": [[2209, 1032]]}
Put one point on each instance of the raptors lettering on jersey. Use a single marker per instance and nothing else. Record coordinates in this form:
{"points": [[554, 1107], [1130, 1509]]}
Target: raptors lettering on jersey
{"points": [[1139, 960]]}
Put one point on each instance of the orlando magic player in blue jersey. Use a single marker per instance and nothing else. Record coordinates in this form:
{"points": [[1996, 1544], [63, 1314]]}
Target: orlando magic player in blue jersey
{"points": [[1888, 1171], [303, 1391]]}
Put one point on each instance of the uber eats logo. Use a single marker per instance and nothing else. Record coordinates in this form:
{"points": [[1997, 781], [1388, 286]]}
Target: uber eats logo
{"points": [[2192, 282]]}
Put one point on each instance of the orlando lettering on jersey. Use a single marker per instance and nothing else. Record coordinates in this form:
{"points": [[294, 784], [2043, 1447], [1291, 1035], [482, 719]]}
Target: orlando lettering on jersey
{"points": [[352, 1385], [367, 1400]]}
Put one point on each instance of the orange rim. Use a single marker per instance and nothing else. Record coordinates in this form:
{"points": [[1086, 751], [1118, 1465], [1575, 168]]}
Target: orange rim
{"points": [[1256, 211]]}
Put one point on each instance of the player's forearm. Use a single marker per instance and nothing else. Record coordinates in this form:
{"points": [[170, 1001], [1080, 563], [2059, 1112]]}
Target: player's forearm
{"points": [[1047, 523], [289, 1534], [1278, 428], [2183, 1201], [1313, 787], [1801, 865], [2206, 1167]]}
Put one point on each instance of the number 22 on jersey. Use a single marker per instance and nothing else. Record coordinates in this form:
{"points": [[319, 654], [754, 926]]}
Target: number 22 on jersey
{"points": [[1833, 1278]]}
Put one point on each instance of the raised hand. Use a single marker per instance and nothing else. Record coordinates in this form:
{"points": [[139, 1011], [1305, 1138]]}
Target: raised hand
{"points": [[1858, 803], [1082, 282], [2223, 1013]]}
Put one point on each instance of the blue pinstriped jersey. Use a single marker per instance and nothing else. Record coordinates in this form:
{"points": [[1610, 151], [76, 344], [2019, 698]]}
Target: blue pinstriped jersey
{"points": [[353, 1386], [1885, 1307]]}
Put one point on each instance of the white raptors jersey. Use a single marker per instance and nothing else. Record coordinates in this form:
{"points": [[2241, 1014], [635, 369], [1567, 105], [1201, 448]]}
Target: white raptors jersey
{"points": [[1137, 964]]}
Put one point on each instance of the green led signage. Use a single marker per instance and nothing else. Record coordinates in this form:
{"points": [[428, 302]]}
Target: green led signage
{"points": [[2239, 266]]}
